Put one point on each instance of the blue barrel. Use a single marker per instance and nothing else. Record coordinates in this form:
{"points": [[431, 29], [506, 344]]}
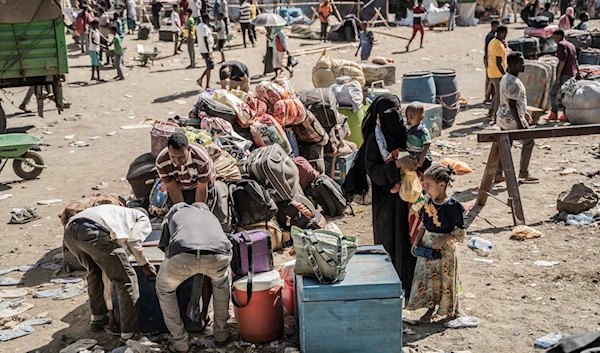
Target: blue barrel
{"points": [[447, 94], [418, 86], [589, 57]]}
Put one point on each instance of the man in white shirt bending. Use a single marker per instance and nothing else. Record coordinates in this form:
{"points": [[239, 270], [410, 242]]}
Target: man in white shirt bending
{"points": [[205, 44], [176, 28], [98, 237]]}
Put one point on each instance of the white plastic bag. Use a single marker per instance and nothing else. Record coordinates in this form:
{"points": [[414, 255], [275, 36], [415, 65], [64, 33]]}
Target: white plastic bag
{"points": [[348, 95]]}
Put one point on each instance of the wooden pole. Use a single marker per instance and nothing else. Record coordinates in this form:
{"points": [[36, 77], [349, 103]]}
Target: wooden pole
{"points": [[337, 12], [358, 10], [389, 34], [320, 50]]}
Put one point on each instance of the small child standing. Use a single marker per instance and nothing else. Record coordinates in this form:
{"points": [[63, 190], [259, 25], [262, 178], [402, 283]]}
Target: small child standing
{"points": [[221, 36], [366, 42], [190, 37], [94, 49], [418, 12], [417, 141], [435, 281], [118, 51]]}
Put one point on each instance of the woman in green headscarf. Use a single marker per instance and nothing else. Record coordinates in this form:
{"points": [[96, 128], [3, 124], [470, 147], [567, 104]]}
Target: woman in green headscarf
{"points": [[280, 48]]}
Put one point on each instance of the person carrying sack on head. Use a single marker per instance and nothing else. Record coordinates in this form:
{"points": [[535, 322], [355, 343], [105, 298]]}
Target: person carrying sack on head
{"points": [[193, 240]]}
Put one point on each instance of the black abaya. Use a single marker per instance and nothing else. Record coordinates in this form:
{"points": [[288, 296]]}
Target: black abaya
{"points": [[390, 214]]}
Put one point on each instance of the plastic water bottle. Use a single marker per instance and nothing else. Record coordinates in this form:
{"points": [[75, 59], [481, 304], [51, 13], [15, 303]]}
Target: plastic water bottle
{"points": [[579, 219], [480, 243], [549, 340]]}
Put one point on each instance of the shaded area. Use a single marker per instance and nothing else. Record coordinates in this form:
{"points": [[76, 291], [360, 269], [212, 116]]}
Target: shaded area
{"points": [[175, 96]]}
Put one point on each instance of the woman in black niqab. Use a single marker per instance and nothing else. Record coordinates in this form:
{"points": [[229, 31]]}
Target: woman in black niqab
{"points": [[390, 212]]}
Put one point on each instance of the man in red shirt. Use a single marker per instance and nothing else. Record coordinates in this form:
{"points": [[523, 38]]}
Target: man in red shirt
{"points": [[567, 69], [418, 12]]}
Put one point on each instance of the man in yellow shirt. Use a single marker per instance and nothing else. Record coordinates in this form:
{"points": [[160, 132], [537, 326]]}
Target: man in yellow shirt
{"points": [[496, 67]]}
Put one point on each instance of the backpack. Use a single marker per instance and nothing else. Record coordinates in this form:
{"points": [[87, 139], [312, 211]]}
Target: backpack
{"points": [[322, 103], [274, 169], [315, 155], [252, 203], [306, 172], [142, 174], [327, 193], [223, 163], [272, 227], [213, 108], [222, 208], [311, 131], [216, 126], [266, 131], [299, 212]]}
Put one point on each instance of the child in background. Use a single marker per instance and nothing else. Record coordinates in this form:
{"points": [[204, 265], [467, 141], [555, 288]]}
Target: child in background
{"points": [[118, 51], [418, 12], [221, 36], [190, 32], [94, 49], [366, 42], [435, 281]]}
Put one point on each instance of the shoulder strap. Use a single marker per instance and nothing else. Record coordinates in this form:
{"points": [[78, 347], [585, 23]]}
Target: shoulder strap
{"points": [[248, 242], [341, 255]]}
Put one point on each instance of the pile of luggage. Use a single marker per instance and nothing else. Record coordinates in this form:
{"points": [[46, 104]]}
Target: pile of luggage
{"points": [[269, 149]]}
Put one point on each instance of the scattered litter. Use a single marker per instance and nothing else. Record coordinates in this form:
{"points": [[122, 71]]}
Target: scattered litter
{"points": [[180, 101], [23, 215], [525, 232], [79, 144], [49, 202], [549, 340], [128, 96], [567, 171], [137, 126], [69, 137], [187, 79], [13, 293], [66, 280], [579, 198], [5, 196], [458, 134], [94, 137], [545, 147], [484, 261], [464, 321], [572, 143], [551, 169], [23, 268], [564, 161], [52, 266], [112, 133], [531, 285], [426, 59], [79, 346], [579, 219], [49, 293], [543, 263], [131, 116], [596, 185], [9, 312], [47, 132], [18, 331], [103, 185], [487, 147], [12, 303], [476, 153], [478, 69], [435, 154], [69, 294]]}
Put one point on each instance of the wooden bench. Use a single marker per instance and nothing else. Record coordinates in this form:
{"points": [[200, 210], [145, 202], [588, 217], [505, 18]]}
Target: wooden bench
{"points": [[500, 152]]}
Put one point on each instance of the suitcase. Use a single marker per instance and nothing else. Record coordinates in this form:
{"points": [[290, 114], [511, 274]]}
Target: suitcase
{"points": [[580, 39], [539, 21], [213, 108], [150, 315], [142, 174], [595, 39], [271, 166], [159, 136], [144, 32], [529, 46], [322, 103], [336, 167], [545, 32], [375, 72], [590, 56], [165, 36], [360, 313]]}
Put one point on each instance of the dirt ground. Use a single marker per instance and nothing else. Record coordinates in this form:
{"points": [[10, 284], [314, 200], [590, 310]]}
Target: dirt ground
{"points": [[515, 300]]}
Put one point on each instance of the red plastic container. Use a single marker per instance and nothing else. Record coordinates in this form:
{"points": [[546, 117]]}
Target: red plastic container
{"points": [[262, 319]]}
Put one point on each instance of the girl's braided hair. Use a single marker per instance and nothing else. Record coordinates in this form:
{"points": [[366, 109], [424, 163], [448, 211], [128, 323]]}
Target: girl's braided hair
{"points": [[440, 173]]}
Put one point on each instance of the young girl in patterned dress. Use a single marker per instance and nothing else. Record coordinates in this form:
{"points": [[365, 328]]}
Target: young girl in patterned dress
{"points": [[435, 281]]}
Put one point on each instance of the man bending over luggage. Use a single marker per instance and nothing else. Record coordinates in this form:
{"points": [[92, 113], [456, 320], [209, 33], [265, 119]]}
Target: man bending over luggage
{"points": [[193, 240], [187, 171], [98, 237], [237, 73]]}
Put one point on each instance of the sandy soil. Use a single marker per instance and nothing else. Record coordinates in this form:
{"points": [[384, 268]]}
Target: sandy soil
{"points": [[515, 300]]}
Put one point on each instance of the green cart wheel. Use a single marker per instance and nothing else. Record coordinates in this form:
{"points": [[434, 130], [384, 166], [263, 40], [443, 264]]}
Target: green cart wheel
{"points": [[24, 170]]}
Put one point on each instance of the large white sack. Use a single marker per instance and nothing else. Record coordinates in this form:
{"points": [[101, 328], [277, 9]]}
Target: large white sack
{"points": [[348, 95], [583, 116], [581, 94], [436, 15]]}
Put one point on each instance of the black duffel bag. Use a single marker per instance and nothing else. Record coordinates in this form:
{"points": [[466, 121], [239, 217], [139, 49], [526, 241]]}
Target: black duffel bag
{"points": [[539, 21]]}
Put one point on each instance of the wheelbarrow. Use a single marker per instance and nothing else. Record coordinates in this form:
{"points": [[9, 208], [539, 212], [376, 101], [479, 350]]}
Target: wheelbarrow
{"points": [[146, 54], [26, 164]]}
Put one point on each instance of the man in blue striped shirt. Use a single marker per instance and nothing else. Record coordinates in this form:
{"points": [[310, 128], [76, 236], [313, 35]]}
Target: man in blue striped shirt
{"points": [[244, 19]]}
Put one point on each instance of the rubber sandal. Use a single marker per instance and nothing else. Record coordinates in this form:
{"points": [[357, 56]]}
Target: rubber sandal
{"points": [[530, 180], [24, 109]]}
